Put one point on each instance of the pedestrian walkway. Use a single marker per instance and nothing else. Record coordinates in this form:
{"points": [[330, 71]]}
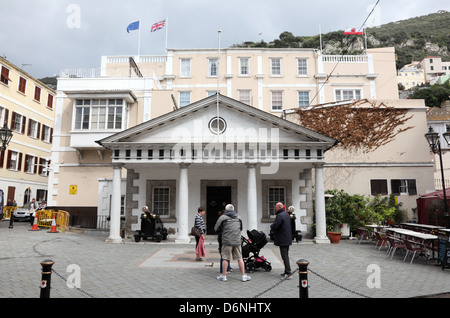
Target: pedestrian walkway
{"points": [[168, 270]]}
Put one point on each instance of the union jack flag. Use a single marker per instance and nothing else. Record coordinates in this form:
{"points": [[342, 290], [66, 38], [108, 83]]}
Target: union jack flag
{"points": [[158, 25]]}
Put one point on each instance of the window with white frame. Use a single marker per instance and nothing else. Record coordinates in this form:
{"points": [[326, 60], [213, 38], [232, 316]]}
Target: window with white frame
{"points": [[30, 161], [277, 100], [275, 66], [303, 98], [213, 65], [346, 94], [245, 96], [99, 114], [185, 67], [161, 200], [302, 66], [22, 84], [18, 122], [2, 115], [185, 98], [46, 134], [14, 160], [33, 128], [244, 66], [403, 186]]}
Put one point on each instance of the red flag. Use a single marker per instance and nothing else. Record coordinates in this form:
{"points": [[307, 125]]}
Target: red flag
{"points": [[353, 31]]}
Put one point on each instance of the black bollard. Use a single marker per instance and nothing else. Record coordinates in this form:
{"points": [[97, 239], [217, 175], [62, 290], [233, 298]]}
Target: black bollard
{"points": [[303, 277], [46, 278]]}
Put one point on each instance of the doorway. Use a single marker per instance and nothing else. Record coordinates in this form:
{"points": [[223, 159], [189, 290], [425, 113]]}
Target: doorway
{"points": [[217, 197]]}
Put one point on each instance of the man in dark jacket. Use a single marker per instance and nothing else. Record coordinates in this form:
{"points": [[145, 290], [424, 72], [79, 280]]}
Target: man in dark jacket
{"points": [[283, 236]]}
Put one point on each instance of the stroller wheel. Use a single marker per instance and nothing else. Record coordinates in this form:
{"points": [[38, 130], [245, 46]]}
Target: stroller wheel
{"points": [[268, 268]]}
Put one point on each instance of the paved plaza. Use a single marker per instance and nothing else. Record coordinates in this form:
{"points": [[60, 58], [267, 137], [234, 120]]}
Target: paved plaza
{"points": [[168, 270]]}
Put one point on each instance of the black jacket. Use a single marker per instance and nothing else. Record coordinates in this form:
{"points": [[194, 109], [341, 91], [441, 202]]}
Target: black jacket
{"points": [[282, 229]]}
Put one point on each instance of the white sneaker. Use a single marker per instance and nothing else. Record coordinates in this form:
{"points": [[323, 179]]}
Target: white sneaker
{"points": [[222, 278], [246, 278]]}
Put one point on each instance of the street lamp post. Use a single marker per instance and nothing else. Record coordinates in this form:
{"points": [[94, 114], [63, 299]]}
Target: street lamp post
{"points": [[435, 146], [5, 137]]}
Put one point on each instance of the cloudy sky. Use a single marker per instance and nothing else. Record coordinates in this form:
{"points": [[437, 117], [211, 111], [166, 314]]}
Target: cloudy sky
{"points": [[55, 34]]}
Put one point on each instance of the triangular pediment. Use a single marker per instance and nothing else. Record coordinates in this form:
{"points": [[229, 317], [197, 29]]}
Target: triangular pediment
{"points": [[197, 122]]}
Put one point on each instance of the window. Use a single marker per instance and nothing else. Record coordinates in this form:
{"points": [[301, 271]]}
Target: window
{"points": [[185, 98], [18, 122], [245, 96], [3, 115], [14, 160], [244, 66], [303, 98], [432, 68], [99, 114], [46, 134], [345, 94], [403, 186], [185, 65], [37, 93], [277, 100], [43, 167], [4, 78], [22, 85], [378, 187], [213, 67], [30, 164], [33, 128], [161, 201], [276, 194], [302, 67], [50, 101], [275, 66]]}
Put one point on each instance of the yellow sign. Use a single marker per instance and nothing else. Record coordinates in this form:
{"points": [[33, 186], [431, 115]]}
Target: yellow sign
{"points": [[73, 189]]}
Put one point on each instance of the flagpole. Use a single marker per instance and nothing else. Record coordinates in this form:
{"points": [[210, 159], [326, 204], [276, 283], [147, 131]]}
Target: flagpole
{"points": [[167, 30], [139, 39], [218, 79], [320, 37]]}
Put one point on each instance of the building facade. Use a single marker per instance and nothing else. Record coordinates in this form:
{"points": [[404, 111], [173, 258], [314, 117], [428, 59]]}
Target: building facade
{"points": [[127, 96], [27, 107]]}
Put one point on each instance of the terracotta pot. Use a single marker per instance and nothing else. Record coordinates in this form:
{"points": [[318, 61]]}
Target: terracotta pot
{"points": [[334, 237]]}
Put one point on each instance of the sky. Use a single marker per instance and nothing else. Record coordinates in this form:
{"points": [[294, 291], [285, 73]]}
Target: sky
{"points": [[45, 36]]}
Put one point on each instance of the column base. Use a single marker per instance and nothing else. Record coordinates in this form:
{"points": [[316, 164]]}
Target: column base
{"points": [[183, 240], [322, 240], [114, 239]]}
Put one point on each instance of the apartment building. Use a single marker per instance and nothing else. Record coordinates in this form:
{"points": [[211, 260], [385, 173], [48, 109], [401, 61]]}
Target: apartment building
{"points": [[114, 146], [411, 75], [27, 107], [434, 67]]}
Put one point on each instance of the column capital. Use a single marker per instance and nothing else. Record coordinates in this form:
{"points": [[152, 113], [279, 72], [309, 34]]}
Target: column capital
{"points": [[184, 165], [251, 165]]}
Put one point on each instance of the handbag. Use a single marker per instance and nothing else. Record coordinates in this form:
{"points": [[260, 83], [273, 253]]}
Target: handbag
{"points": [[195, 231]]}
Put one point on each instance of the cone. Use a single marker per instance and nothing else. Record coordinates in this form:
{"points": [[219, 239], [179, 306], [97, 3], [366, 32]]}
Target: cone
{"points": [[35, 226], [53, 227]]}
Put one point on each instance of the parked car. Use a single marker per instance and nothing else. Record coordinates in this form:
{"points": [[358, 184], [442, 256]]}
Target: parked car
{"points": [[23, 213]]}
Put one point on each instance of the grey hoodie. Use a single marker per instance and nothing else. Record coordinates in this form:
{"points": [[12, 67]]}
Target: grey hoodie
{"points": [[230, 225]]}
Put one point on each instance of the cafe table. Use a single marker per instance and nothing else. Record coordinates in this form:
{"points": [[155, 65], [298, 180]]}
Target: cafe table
{"points": [[419, 235]]}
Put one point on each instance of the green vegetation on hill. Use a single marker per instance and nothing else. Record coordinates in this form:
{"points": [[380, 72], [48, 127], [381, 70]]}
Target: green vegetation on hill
{"points": [[413, 39]]}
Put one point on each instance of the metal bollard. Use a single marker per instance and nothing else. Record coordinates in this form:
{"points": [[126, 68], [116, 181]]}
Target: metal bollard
{"points": [[46, 278], [303, 278]]}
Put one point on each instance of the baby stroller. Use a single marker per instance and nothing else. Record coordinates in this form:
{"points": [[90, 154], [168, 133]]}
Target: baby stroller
{"points": [[250, 251]]}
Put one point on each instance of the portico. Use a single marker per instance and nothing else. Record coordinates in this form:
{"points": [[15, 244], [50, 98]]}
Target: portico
{"points": [[218, 149]]}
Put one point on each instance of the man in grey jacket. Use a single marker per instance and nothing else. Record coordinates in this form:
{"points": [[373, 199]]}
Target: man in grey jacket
{"points": [[230, 225]]}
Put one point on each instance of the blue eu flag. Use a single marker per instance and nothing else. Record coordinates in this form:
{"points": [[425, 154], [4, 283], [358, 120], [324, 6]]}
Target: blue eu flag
{"points": [[133, 26]]}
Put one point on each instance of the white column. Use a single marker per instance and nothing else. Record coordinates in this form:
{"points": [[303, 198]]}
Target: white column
{"points": [[114, 227], [321, 225], [183, 206], [252, 212]]}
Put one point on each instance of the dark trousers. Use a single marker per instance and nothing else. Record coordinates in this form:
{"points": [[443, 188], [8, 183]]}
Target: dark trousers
{"points": [[284, 251]]}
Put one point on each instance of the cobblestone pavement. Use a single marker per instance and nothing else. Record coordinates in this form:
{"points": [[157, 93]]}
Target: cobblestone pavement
{"points": [[168, 270]]}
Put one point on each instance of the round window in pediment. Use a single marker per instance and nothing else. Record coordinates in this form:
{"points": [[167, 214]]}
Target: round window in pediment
{"points": [[217, 125]]}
